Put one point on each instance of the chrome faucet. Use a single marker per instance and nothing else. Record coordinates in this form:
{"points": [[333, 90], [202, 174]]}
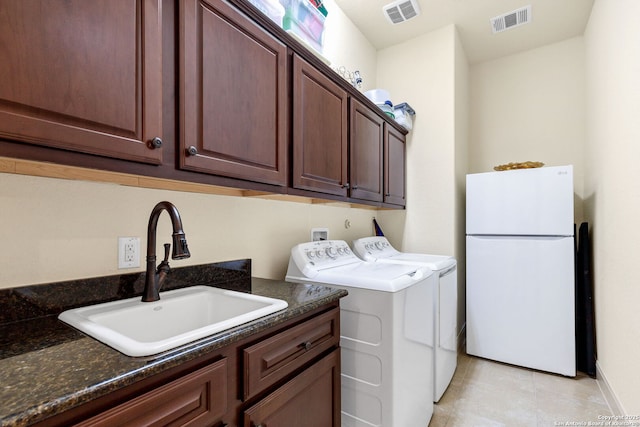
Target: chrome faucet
{"points": [[155, 277]]}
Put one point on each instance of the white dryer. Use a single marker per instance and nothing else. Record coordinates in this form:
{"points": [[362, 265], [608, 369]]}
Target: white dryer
{"points": [[383, 339], [445, 309]]}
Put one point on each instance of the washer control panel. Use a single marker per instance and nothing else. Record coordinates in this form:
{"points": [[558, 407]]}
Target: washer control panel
{"points": [[322, 254], [372, 248]]}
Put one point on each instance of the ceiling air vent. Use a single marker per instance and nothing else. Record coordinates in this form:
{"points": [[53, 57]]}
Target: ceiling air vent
{"points": [[401, 10], [511, 20]]}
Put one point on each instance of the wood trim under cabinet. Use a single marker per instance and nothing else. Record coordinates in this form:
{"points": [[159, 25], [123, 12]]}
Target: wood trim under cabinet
{"points": [[53, 170]]}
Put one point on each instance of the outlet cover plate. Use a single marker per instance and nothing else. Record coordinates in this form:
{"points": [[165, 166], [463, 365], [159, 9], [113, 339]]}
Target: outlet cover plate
{"points": [[319, 234], [128, 252]]}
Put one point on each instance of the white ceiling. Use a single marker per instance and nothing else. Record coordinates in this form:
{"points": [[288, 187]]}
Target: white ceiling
{"points": [[552, 21]]}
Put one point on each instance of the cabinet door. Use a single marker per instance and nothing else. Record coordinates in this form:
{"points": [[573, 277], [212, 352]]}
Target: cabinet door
{"points": [[395, 167], [366, 141], [233, 95], [312, 399], [83, 75], [319, 131]]}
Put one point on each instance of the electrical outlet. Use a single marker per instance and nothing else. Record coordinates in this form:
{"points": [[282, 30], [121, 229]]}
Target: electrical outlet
{"points": [[128, 252], [319, 234]]}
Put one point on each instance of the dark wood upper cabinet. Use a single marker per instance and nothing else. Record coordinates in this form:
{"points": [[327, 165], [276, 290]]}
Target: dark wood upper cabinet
{"points": [[233, 94], [366, 152], [83, 75], [320, 146], [203, 91], [394, 167]]}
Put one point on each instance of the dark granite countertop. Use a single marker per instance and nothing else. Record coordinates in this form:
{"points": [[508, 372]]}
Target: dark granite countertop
{"points": [[47, 367]]}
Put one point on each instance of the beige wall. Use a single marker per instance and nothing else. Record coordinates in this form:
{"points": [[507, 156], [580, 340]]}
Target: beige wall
{"points": [[431, 74], [345, 46], [422, 72], [461, 161], [531, 106], [55, 229], [612, 193]]}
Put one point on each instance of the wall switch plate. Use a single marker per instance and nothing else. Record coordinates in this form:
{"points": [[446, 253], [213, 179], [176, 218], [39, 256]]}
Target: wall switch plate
{"points": [[319, 234], [128, 252]]}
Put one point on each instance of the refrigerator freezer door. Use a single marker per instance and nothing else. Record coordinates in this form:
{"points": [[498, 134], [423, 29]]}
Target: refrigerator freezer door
{"points": [[520, 301], [521, 202]]}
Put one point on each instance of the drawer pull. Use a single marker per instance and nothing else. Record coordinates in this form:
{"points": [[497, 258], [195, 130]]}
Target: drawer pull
{"points": [[307, 345]]}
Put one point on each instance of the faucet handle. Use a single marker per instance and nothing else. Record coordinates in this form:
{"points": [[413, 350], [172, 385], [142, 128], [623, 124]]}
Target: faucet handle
{"points": [[163, 268], [167, 250]]}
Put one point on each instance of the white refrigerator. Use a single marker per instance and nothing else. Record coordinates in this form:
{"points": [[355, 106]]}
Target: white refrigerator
{"points": [[520, 268]]}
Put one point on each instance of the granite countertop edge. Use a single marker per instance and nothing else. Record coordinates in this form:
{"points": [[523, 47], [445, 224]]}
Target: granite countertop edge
{"points": [[108, 370]]}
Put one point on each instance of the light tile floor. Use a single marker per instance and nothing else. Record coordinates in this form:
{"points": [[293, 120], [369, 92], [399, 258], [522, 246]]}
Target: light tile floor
{"points": [[490, 394]]}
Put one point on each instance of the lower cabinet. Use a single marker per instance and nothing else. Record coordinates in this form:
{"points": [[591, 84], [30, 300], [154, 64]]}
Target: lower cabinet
{"points": [[311, 399], [197, 399], [287, 375]]}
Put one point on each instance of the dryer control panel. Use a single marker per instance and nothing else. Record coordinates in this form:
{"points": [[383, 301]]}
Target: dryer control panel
{"points": [[373, 248]]}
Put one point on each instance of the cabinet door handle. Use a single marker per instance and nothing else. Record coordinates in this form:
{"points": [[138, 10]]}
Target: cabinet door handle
{"points": [[355, 187], [307, 345], [155, 143], [192, 151], [346, 185]]}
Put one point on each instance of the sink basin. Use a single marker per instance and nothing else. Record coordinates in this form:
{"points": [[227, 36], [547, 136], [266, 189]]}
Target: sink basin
{"points": [[138, 328]]}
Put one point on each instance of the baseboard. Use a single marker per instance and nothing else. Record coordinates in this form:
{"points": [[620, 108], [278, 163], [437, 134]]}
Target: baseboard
{"points": [[612, 400]]}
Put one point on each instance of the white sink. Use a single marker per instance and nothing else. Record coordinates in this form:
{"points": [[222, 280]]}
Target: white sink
{"points": [[139, 328]]}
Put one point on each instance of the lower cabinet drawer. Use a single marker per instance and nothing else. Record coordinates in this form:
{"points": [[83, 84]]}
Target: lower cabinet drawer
{"points": [[274, 358], [197, 399]]}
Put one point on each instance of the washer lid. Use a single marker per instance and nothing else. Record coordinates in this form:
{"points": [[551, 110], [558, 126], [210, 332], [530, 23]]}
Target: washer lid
{"points": [[375, 276], [434, 262], [378, 249]]}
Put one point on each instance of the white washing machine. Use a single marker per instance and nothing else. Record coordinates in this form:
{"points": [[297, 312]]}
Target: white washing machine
{"points": [[384, 341], [378, 249]]}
